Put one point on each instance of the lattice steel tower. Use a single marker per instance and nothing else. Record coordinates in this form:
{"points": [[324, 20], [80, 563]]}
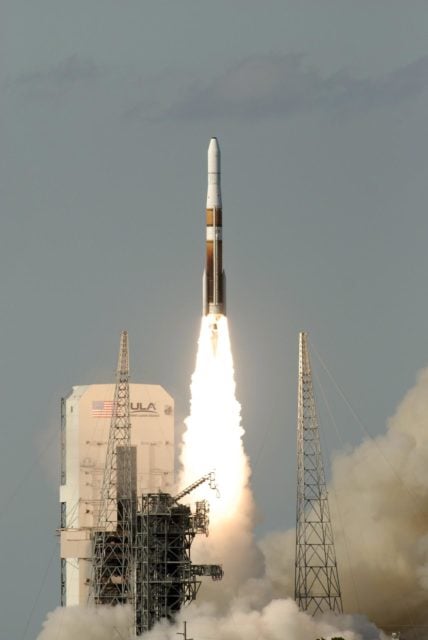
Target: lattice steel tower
{"points": [[316, 587], [112, 551]]}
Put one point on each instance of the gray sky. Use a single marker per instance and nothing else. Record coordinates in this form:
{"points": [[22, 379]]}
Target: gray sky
{"points": [[106, 113]]}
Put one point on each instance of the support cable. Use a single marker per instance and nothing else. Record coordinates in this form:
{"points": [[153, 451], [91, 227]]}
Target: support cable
{"points": [[363, 427], [39, 590], [342, 527]]}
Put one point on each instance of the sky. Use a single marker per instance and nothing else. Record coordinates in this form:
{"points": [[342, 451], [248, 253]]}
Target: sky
{"points": [[106, 112]]}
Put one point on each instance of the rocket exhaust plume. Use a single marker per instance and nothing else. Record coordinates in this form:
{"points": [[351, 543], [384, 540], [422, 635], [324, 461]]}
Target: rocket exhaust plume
{"points": [[213, 437]]}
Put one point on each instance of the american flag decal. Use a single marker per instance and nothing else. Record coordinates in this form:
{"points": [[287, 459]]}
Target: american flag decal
{"points": [[102, 408]]}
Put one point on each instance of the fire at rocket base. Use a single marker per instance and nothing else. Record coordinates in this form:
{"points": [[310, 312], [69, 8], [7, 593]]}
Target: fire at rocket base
{"points": [[214, 278]]}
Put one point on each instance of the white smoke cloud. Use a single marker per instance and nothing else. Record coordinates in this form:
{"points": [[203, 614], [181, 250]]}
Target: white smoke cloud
{"points": [[277, 620], [87, 623], [379, 507], [382, 498]]}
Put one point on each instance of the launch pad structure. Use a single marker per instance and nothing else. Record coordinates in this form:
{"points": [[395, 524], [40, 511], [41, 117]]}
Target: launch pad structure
{"points": [[166, 579], [317, 587], [112, 540], [141, 545]]}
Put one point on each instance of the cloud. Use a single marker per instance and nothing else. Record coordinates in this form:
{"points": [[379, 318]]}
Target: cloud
{"points": [[58, 80], [258, 87], [279, 86]]}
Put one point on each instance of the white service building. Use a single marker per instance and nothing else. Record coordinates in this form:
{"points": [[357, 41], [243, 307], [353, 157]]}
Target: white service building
{"points": [[85, 424]]}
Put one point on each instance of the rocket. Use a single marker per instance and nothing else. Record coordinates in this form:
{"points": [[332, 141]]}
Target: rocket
{"points": [[214, 278]]}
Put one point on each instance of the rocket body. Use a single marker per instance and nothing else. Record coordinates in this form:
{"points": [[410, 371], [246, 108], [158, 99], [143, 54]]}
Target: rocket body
{"points": [[214, 279]]}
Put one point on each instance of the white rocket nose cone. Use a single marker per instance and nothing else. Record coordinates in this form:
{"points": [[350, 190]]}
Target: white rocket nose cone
{"points": [[213, 156], [214, 192]]}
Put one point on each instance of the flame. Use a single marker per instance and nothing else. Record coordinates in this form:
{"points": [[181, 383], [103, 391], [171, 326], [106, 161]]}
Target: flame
{"points": [[213, 437]]}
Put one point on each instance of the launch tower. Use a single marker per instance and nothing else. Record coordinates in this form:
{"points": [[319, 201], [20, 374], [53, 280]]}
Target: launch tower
{"points": [[166, 579], [141, 545], [112, 556], [317, 587]]}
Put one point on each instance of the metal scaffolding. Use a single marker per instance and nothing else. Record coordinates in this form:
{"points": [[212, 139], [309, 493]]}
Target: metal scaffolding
{"points": [[112, 540], [317, 587], [166, 579], [141, 548]]}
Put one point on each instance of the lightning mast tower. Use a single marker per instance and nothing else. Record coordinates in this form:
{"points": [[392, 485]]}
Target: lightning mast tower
{"points": [[112, 540], [316, 587]]}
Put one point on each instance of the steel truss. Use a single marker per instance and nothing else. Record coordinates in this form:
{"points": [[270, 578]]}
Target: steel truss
{"points": [[112, 552], [141, 549], [317, 587], [166, 580]]}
